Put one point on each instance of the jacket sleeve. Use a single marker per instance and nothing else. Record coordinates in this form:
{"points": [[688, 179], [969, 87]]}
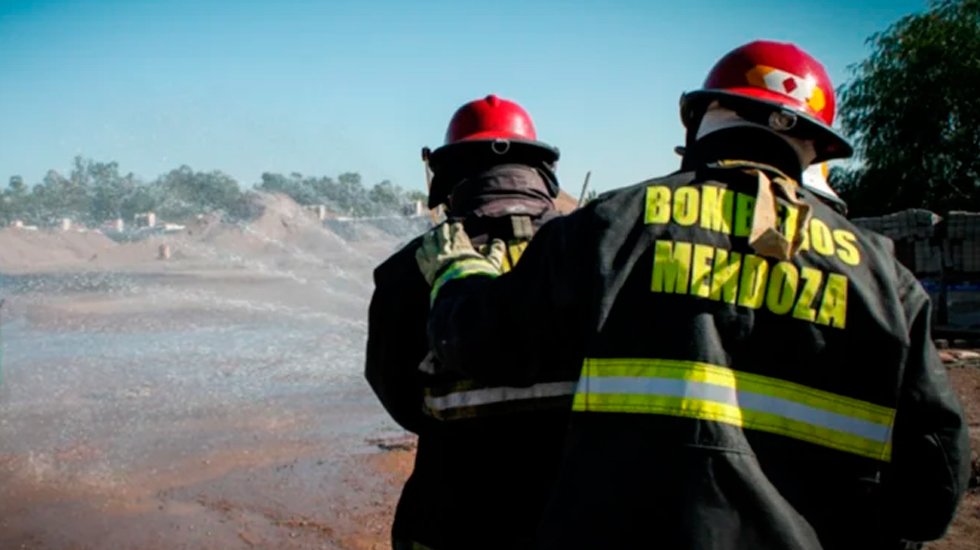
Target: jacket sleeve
{"points": [[523, 326], [930, 445], [396, 345]]}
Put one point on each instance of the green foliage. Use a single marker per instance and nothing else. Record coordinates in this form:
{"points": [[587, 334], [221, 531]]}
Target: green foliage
{"points": [[345, 195], [413, 196], [97, 192], [913, 110]]}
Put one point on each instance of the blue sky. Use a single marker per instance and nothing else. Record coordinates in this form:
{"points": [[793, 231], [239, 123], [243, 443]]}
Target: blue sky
{"points": [[325, 87]]}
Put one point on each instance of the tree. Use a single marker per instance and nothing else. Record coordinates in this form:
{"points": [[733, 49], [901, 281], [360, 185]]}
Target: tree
{"points": [[351, 195], [110, 191], [185, 192], [913, 111], [13, 200], [386, 198], [58, 197], [17, 187], [95, 192]]}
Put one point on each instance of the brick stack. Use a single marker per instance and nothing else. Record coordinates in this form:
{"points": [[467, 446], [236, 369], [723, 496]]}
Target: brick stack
{"points": [[913, 233], [962, 250]]}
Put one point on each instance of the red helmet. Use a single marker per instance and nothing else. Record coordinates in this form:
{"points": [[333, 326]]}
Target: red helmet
{"points": [[496, 121], [490, 118], [484, 128], [775, 75]]}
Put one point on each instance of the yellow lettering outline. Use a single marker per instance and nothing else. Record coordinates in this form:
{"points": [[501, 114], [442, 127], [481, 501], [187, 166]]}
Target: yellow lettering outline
{"points": [[744, 212], [717, 204], [687, 203], [725, 275], [823, 239], [701, 270], [783, 283], [848, 251], [657, 204], [804, 309], [833, 307], [752, 286], [671, 267]]}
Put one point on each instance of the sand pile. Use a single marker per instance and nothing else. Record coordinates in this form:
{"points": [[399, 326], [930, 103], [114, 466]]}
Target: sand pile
{"points": [[285, 234], [22, 249]]}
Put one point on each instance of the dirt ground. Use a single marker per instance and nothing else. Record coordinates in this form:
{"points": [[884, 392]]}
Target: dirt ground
{"points": [[964, 533], [257, 500]]}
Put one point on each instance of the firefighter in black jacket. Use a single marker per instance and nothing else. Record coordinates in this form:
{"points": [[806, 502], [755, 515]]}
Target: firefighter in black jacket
{"points": [[486, 453], [754, 370]]}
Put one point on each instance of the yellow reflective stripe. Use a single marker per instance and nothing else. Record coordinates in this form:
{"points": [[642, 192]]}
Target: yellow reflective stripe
{"points": [[710, 392], [723, 376], [461, 269]]}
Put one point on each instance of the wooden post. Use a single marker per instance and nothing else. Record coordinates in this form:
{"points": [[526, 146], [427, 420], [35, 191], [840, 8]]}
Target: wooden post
{"points": [[585, 186]]}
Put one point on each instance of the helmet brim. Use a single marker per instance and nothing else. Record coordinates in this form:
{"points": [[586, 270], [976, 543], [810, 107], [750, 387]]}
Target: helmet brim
{"points": [[829, 143], [537, 149]]}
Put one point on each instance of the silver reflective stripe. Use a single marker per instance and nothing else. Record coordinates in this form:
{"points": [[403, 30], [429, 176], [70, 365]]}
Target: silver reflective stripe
{"points": [[486, 396], [745, 400]]}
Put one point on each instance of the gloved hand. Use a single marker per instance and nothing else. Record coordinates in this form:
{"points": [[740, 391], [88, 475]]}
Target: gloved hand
{"points": [[446, 254]]}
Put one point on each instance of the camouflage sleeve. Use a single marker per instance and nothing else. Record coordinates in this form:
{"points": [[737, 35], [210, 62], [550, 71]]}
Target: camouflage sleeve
{"points": [[522, 327], [931, 449]]}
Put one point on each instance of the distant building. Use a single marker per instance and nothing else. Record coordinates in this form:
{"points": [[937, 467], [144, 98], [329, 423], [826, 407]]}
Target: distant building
{"points": [[145, 219], [320, 210], [416, 209]]}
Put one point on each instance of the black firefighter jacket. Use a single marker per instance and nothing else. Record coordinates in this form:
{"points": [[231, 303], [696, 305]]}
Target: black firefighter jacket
{"points": [[725, 400], [486, 454]]}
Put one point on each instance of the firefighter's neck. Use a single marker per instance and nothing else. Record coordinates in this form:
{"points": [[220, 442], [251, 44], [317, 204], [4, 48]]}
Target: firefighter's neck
{"points": [[746, 143], [499, 190]]}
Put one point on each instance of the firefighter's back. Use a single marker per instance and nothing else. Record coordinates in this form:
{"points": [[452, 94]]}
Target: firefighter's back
{"points": [[729, 399], [488, 453], [500, 445]]}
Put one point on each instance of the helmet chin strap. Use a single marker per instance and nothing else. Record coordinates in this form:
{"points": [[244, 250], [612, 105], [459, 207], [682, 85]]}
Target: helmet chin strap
{"points": [[718, 118]]}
